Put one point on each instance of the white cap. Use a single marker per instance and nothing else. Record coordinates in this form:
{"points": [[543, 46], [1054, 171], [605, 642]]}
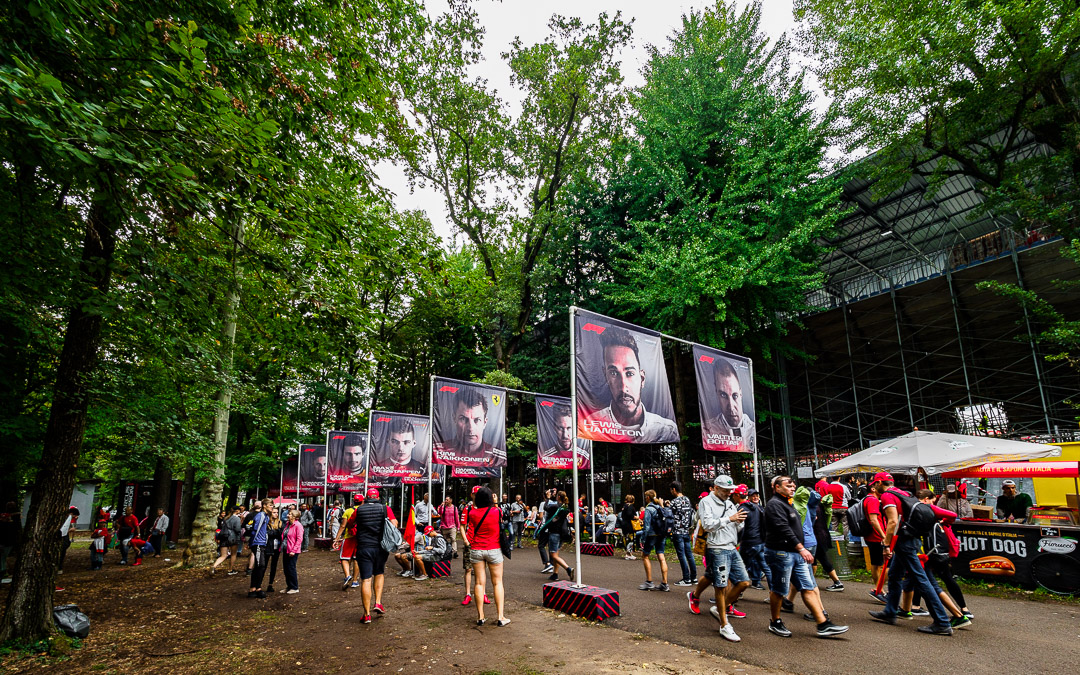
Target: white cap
{"points": [[724, 482]]}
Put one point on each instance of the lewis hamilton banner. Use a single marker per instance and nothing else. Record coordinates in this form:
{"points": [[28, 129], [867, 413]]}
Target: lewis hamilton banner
{"points": [[469, 424], [621, 383], [555, 436], [725, 400]]}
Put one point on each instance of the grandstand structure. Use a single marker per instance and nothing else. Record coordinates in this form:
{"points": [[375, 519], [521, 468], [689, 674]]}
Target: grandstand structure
{"points": [[904, 336]]}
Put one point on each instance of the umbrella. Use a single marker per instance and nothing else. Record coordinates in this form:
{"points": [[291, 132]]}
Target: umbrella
{"points": [[278, 501], [936, 453]]}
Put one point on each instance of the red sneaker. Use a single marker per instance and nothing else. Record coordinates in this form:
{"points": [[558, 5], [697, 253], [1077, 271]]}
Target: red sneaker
{"points": [[694, 602], [379, 608], [137, 562], [366, 619], [467, 600], [487, 600], [731, 611]]}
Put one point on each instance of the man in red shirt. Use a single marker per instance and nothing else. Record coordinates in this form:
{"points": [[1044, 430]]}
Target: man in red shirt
{"points": [[872, 505]]}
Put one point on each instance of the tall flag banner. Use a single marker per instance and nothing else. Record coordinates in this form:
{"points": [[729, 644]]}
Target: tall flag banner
{"points": [[475, 472], [312, 467], [556, 435], [347, 459], [726, 400], [469, 424], [622, 386], [289, 476], [399, 445]]}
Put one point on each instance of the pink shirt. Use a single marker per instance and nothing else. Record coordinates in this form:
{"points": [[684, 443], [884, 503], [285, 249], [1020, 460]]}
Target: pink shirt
{"points": [[294, 537]]}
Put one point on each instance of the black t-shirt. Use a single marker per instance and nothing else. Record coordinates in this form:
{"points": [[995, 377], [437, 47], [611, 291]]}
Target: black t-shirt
{"points": [[751, 532], [783, 531]]}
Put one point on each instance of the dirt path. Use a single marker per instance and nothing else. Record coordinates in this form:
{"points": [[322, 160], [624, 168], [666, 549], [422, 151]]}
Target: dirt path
{"points": [[157, 619]]}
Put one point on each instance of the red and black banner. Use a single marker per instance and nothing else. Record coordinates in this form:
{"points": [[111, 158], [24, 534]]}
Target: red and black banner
{"points": [[726, 400], [556, 436], [475, 472], [313, 467], [290, 479], [400, 444], [346, 451], [621, 384], [469, 424]]}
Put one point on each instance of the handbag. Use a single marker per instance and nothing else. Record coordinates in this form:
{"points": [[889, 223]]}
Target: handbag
{"points": [[391, 538], [701, 540]]}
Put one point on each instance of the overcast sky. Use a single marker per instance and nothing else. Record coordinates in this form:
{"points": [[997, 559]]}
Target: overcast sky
{"points": [[653, 23]]}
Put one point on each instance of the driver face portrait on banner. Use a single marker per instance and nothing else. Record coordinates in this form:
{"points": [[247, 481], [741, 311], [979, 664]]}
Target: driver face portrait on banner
{"points": [[399, 445], [346, 454], [556, 435], [621, 383], [312, 466], [725, 400], [470, 424]]}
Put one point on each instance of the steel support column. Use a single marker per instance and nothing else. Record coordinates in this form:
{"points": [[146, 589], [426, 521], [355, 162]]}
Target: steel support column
{"points": [[959, 334], [903, 363], [851, 367], [785, 412], [1031, 340]]}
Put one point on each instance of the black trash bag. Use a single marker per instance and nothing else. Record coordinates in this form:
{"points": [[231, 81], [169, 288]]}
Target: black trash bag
{"points": [[69, 619]]}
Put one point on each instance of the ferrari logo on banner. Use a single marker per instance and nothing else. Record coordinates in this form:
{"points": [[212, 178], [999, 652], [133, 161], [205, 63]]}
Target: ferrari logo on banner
{"points": [[468, 424], [495, 398]]}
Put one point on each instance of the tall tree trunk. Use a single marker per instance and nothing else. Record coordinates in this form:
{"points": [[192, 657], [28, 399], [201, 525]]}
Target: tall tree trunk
{"points": [[187, 504], [28, 614], [201, 546], [159, 498]]}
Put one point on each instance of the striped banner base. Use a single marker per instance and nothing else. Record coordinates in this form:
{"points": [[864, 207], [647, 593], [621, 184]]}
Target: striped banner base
{"points": [[592, 548], [590, 602], [438, 569], [323, 543]]}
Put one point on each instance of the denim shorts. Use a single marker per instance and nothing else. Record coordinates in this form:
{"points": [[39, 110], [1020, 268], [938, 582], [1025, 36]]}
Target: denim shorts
{"points": [[492, 557], [788, 567], [554, 541], [723, 565], [653, 543]]}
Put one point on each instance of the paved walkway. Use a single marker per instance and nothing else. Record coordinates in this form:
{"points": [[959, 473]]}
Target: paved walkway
{"points": [[1007, 635]]}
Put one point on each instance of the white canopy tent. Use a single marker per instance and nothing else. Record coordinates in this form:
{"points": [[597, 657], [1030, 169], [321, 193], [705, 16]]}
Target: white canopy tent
{"points": [[936, 453]]}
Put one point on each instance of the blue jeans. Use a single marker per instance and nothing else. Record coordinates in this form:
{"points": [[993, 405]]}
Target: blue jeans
{"points": [[754, 557], [291, 580], [905, 564], [685, 551], [724, 566]]}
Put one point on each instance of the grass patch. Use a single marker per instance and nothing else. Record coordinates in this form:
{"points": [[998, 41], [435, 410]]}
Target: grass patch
{"points": [[525, 669], [263, 616]]}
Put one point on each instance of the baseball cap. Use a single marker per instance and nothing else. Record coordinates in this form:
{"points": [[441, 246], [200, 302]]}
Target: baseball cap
{"points": [[724, 482], [950, 487], [1008, 483], [880, 476], [373, 493], [703, 495], [357, 498], [475, 489], [740, 489], [429, 529], [751, 491]]}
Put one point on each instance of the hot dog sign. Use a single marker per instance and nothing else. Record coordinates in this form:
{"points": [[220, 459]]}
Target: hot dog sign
{"points": [[1020, 554]]}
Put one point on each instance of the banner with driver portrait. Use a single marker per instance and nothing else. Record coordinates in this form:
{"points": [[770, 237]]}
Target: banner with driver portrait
{"points": [[469, 424], [621, 382], [290, 475], [555, 436], [312, 467], [345, 451], [725, 386], [399, 445]]}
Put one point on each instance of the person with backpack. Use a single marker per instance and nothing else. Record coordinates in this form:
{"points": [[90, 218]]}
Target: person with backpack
{"points": [[656, 529], [941, 547], [626, 523], [366, 524], [683, 514], [556, 529], [260, 536], [906, 521]]}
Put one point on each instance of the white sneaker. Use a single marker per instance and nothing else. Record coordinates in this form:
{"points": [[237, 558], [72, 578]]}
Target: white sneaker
{"points": [[728, 633], [420, 578], [292, 591]]}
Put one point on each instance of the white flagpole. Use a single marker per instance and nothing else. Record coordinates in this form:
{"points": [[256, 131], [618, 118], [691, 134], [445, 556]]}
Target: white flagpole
{"points": [[367, 455], [431, 446], [573, 413], [298, 458]]}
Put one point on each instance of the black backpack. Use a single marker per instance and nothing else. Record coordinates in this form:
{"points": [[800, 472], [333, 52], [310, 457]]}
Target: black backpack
{"points": [[919, 518], [858, 521], [937, 544], [662, 520]]}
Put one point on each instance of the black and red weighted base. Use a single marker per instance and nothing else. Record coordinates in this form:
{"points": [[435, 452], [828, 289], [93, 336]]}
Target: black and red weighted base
{"points": [[592, 548], [590, 602], [438, 569]]}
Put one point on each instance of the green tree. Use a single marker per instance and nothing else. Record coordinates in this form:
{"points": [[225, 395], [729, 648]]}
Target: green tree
{"points": [[971, 83], [502, 175]]}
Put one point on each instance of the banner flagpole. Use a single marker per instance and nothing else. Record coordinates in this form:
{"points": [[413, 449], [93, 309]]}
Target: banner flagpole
{"points": [[298, 458], [325, 481], [431, 445], [757, 466], [573, 464], [367, 454]]}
